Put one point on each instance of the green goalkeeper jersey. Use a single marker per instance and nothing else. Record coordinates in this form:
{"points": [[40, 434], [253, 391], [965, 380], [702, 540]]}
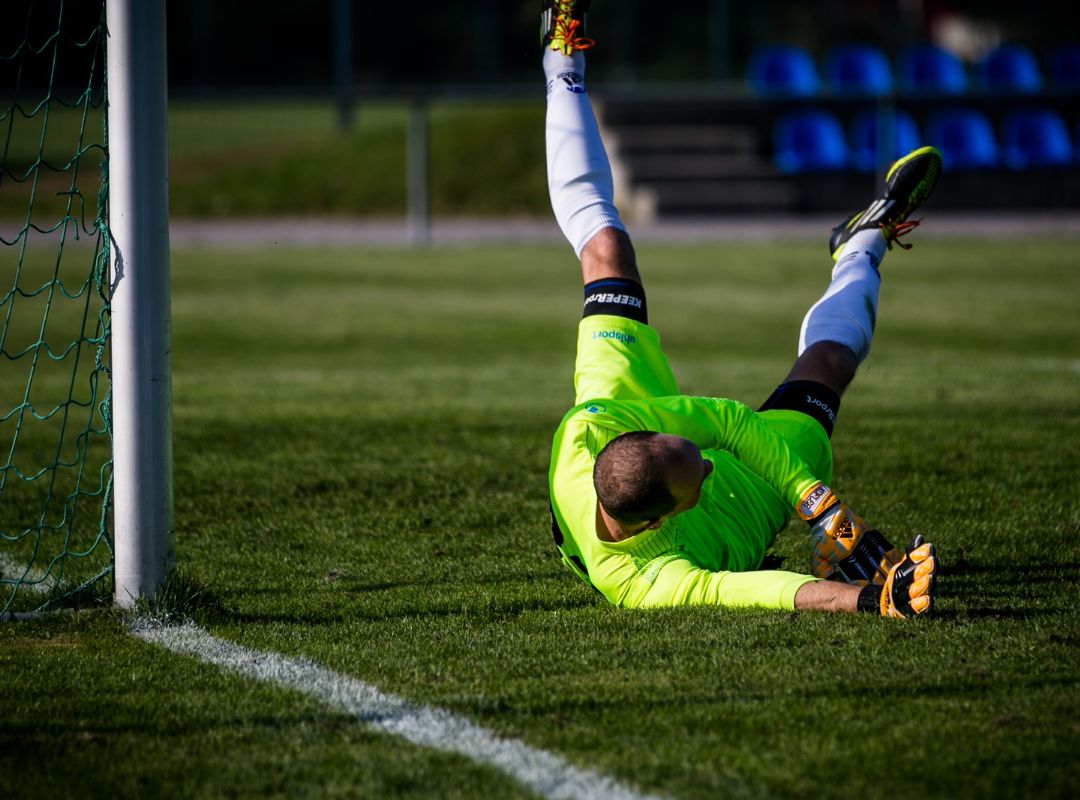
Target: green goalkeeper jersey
{"points": [[706, 555]]}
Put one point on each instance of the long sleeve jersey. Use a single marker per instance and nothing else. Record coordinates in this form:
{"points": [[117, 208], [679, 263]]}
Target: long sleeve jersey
{"points": [[709, 554]]}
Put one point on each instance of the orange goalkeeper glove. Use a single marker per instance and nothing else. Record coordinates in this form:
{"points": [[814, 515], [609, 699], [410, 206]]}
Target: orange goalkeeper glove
{"points": [[909, 588], [845, 547]]}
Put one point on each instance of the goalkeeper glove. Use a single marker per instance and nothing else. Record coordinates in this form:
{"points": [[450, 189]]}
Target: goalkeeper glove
{"points": [[845, 547], [909, 588]]}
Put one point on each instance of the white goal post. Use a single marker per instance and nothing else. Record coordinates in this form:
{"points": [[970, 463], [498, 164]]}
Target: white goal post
{"points": [[144, 537]]}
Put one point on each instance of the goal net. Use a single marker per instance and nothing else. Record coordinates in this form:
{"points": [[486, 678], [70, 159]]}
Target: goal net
{"points": [[55, 383]]}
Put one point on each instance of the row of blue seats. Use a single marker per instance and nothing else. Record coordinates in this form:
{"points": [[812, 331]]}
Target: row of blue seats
{"points": [[784, 70], [813, 139]]}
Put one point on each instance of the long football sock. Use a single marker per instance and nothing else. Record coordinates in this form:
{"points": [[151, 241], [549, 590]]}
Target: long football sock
{"points": [[847, 311], [579, 174]]}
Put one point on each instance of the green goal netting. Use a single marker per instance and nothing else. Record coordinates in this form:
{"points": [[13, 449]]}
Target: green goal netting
{"points": [[55, 453]]}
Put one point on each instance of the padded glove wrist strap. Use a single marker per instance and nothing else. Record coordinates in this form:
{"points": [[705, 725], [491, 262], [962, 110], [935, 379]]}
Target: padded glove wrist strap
{"points": [[816, 501], [870, 599]]}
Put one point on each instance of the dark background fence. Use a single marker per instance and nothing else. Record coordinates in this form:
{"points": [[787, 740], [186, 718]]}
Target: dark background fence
{"points": [[685, 65], [275, 45]]}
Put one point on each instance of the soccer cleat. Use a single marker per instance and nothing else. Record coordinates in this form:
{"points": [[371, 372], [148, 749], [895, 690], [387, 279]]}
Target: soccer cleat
{"points": [[907, 185], [562, 23]]}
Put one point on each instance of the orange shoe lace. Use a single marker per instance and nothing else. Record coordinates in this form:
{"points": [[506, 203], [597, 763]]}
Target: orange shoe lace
{"points": [[566, 32], [894, 233]]}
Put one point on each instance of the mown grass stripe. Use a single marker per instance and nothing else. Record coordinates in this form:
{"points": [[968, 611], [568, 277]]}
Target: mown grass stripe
{"points": [[436, 728]]}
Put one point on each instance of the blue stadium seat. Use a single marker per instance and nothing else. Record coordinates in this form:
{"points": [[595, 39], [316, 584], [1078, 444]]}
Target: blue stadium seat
{"points": [[809, 141], [1065, 67], [965, 138], [927, 68], [904, 134], [782, 70], [858, 69], [1009, 68], [1034, 138]]}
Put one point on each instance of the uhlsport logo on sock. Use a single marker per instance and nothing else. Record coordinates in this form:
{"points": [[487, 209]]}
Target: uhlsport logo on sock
{"points": [[814, 401]]}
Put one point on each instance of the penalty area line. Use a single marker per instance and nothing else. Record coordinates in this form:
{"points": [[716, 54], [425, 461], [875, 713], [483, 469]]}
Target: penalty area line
{"points": [[545, 773]]}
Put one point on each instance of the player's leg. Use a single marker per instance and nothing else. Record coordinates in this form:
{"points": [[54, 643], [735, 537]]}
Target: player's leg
{"points": [[618, 354], [579, 174], [837, 330], [834, 340]]}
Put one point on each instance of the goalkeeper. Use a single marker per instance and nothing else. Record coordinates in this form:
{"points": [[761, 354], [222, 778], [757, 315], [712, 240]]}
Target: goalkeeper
{"points": [[659, 499]]}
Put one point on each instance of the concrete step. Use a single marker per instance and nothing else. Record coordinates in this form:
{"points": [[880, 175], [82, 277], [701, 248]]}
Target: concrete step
{"points": [[633, 139], [698, 166], [723, 196]]}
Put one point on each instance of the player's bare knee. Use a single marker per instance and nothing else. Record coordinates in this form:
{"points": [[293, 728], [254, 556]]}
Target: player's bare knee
{"points": [[829, 363], [837, 358], [609, 254]]}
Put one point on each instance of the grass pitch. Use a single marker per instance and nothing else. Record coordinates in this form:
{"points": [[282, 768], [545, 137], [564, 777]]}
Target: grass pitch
{"points": [[361, 445]]}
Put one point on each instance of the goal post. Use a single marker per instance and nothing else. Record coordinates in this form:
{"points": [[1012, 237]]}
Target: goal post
{"points": [[86, 507], [144, 545]]}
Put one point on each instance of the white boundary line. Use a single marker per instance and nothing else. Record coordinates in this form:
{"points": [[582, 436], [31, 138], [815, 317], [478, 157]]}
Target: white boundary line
{"points": [[33, 581], [545, 773]]}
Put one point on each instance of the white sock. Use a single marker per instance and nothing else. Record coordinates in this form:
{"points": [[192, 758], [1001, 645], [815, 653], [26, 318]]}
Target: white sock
{"points": [[579, 175], [847, 311]]}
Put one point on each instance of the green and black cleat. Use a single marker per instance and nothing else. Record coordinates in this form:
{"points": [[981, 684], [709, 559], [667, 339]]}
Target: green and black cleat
{"points": [[562, 25], [907, 185]]}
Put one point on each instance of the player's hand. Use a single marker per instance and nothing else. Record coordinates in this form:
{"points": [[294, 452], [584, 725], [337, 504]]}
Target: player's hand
{"points": [[845, 547], [909, 588]]}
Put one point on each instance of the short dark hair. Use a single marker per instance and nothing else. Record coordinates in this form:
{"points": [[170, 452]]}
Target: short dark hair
{"points": [[630, 478]]}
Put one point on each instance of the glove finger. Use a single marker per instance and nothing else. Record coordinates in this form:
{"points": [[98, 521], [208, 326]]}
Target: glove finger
{"points": [[922, 604], [922, 552], [923, 585], [920, 586], [916, 542], [860, 566]]}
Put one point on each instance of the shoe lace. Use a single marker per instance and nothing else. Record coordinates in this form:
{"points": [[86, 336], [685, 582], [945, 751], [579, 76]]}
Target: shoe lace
{"points": [[566, 30], [894, 232]]}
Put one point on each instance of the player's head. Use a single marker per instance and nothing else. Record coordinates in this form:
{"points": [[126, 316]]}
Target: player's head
{"points": [[645, 477]]}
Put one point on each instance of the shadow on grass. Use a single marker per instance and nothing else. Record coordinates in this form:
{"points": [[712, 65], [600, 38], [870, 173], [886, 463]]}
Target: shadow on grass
{"points": [[29, 740], [989, 613], [986, 589], [1013, 573]]}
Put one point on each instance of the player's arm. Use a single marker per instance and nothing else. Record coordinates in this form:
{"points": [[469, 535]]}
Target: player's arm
{"points": [[681, 583], [717, 423], [845, 547], [827, 596], [908, 590]]}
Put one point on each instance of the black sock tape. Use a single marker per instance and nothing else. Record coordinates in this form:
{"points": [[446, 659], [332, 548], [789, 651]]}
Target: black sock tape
{"points": [[810, 397], [618, 297]]}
